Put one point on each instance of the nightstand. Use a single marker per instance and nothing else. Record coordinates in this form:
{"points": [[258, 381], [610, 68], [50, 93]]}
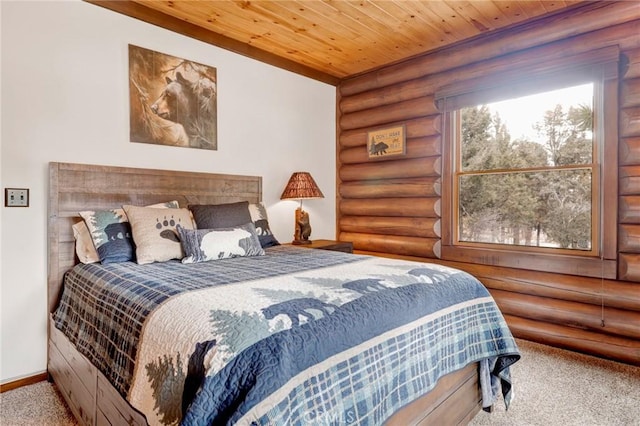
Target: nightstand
{"points": [[343, 246]]}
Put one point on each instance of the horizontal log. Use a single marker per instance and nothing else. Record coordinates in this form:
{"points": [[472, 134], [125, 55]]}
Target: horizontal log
{"points": [[391, 207], [417, 147], [410, 246], [629, 209], [629, 238], [594, 291], [615, 294], [424, 126], [629, 267], [630, 93], [599, 344], [414, 187], [600, 27], [629, 151], [629, 122], [630, 64], [391, 169], [389, 95], [580, 315], [407, 110], [629, 180], [425, 227]]}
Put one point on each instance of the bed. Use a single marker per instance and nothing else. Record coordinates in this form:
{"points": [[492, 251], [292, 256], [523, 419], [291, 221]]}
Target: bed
{"points": [[289, 336]]}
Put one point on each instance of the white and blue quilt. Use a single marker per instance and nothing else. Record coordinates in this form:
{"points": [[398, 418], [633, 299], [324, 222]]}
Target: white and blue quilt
{"points": [[297, 336]]}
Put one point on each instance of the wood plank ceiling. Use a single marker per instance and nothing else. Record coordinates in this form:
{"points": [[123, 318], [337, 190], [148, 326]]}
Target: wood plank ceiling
{"points": [[333, 39]]}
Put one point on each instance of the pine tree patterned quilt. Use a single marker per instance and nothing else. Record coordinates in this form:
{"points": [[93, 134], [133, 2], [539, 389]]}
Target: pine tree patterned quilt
{"points": [[296, 336]]}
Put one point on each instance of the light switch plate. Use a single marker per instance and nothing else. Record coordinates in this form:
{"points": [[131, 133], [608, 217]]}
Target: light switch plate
{"points": [[16, 197]]}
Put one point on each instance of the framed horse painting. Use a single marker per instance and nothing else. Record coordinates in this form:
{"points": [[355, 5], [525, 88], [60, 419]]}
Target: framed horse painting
{"points": [[172, 101]]}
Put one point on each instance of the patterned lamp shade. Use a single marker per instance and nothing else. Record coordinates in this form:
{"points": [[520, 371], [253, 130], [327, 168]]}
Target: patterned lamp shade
{"points": [[301, 186]]}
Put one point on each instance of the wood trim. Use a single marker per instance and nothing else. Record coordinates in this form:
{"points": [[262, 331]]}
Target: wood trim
{"points": [[561, 264], [154, 17], [609, 171], [338, 163], [25, 381]]}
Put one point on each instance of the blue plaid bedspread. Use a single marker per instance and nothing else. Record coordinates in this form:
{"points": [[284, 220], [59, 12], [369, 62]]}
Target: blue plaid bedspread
{"points": [[294, 337]]}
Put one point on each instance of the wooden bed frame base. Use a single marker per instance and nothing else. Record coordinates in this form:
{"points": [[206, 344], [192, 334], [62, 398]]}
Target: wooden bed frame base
{"points": [[456, 399]]}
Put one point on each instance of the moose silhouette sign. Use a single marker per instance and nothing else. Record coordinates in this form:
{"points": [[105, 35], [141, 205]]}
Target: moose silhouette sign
{"points": [[172, 101]]}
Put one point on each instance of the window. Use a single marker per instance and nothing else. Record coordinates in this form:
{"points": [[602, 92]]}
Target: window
{"points": [[524, 172], [530, 165]]}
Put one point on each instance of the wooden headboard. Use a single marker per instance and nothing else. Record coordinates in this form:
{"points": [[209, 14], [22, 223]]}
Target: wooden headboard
{"points": [[77, 187]]}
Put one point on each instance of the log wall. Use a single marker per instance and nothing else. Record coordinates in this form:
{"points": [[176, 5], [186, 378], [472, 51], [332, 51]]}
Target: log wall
{"points": [[393, 208]]}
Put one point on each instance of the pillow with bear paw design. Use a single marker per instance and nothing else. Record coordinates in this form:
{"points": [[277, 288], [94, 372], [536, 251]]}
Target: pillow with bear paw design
{"points": [[154, 232]]}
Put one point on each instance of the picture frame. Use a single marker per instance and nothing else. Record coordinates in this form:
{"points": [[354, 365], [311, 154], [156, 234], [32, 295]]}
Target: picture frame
{"points": [[172, 100], [386, 143]]}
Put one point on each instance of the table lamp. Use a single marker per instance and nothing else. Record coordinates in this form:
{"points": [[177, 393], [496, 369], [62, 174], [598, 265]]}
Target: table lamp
{"points": [[301, 186]]}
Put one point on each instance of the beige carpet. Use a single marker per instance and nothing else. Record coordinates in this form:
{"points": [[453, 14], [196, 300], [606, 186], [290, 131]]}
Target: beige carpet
{"points": [[564, 388], [552, 387], [39, 404]]}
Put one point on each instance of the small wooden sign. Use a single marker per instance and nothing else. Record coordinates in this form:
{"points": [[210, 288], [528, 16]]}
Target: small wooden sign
{"points": [[385, 143]]}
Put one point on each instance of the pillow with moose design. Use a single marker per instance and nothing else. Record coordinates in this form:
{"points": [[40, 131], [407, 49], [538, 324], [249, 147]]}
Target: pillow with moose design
{"points": [[154, 232]]}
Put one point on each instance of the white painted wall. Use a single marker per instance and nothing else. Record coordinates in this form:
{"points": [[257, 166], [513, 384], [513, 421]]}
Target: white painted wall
{"points": [[65, 98]]}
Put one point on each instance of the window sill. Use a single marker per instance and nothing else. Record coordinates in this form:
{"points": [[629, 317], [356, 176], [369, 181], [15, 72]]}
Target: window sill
{"points": [[560, 264]]}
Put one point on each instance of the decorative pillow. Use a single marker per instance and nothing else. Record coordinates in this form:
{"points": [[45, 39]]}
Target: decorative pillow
{"points": [[154, 232], [212, 216], [259, 218], [111, 233], [85, 249], [201, 245]]}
